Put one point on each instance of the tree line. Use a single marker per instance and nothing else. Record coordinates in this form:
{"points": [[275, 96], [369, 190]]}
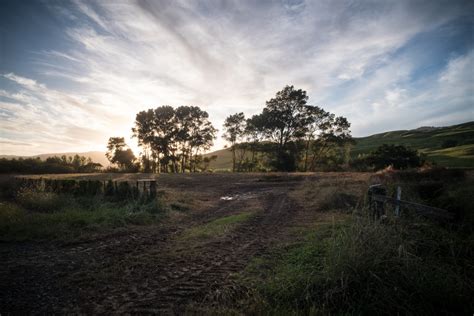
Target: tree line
{"points": [[171, 139], [55, 164], [288, 135]]}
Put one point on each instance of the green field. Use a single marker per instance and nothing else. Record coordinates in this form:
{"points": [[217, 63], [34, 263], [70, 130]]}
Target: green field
{"points": [[427, 140]]}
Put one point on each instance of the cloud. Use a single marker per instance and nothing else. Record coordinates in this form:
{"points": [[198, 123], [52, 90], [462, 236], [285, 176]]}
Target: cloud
{"points": [[229, 56]]}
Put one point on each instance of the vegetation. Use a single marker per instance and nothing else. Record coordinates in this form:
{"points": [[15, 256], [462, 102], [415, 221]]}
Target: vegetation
{"points": [[429, 142], [33, 212], [118, 153], [63, 164], [395, 156], [408, 265], [288, 135], [363, 267], [173, 139], [451, 146], [218, 227]]}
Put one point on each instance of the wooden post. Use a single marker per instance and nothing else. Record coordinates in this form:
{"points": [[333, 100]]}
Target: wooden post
{"points": [[399, 196], [153, 188], [376, 206]]}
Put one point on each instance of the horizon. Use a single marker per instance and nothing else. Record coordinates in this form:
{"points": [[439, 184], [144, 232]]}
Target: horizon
{"points": [[77, 73], [212, 149]]}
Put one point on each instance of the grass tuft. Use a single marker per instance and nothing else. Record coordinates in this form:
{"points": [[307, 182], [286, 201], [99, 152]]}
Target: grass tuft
{"points": [[218, 227]]}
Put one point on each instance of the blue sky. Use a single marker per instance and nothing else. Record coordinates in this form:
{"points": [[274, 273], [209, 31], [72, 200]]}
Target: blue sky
{"points": [[73, 73]]}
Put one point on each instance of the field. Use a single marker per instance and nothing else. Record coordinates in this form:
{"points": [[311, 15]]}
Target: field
{"points": [[429, 141], [237, 243]]}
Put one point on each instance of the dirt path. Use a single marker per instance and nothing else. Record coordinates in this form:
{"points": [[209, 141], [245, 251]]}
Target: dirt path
{"points": [[148, 269]]}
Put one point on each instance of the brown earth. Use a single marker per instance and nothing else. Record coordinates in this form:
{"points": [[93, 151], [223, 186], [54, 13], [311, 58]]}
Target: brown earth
{"points": [[153, 269]]}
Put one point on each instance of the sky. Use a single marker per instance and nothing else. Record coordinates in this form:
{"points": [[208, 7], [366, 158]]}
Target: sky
{"points": [[74, 73]]}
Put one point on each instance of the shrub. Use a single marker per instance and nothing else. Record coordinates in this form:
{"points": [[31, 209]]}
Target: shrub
{"points": [[398, 156], [37, 200], [448, 143]]}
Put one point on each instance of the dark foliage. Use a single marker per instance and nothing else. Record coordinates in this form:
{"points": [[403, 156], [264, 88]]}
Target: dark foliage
{"points": [[76, 164], [289, 135], [397, 156], [172, 139]]}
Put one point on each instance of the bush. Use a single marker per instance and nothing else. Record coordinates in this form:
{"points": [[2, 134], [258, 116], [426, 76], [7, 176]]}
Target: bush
{"points": [[449, 143], [397, 156]]}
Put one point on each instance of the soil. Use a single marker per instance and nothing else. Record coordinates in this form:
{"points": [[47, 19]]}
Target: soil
{"points": [[152, 269]]}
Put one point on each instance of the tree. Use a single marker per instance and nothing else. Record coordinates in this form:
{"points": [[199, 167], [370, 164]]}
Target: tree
{"points": [[143, 131], [284, 122], [234, 129], [119, 153], [397, 156], [316, 120], [288, 135], [333, 141], [173, 138]]}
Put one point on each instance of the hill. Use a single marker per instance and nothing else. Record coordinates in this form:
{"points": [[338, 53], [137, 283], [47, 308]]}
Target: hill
{"points": [[95, 156], [450, 146]]}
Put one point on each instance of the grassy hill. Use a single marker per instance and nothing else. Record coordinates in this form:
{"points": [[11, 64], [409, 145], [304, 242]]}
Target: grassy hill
{"points": [[428, 140], [431, 141]]}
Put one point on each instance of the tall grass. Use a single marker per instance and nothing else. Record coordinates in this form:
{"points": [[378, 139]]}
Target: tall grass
{"points": [[406, 265], [369, 268]]}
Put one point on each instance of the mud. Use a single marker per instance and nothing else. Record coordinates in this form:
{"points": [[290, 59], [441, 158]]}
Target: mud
{"points": [[151, 269]]}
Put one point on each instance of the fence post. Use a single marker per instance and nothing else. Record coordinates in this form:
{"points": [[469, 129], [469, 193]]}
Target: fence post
{"points": [[376, 206], [153, 188], [399, 196]]}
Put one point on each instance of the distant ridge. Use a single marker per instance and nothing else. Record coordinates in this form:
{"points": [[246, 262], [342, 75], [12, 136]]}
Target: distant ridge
{"points": [[95, 156]]}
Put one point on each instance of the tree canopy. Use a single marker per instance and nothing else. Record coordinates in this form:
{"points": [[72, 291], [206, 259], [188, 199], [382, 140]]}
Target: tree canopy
{"points": [[173, 138], [288, 135], [118, 153]]}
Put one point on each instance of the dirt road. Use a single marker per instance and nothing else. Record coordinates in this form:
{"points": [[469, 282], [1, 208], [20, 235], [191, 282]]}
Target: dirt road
{"points": [[153, 269]]}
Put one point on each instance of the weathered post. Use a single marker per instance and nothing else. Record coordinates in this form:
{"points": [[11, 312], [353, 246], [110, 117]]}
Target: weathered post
{"points": [[152, 189], [399, 196], [376, 194]]}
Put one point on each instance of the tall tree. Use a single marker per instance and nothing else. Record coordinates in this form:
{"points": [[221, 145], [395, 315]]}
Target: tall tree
{"points": [[284, 123], [143, 131], [234, 129], [174, 136], [118, 153]]}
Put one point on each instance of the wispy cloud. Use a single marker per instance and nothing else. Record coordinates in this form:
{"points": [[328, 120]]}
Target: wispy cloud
{"points": [[229, 56]]}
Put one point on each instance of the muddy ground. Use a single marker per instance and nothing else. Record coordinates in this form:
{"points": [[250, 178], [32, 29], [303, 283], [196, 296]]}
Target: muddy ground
{"points": [[153, 269]]}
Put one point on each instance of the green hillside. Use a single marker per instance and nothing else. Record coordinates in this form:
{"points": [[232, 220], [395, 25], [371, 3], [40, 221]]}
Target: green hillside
{"points": [[431, 141]]}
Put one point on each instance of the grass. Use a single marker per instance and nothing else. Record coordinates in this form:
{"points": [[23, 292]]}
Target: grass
{"points": [[36, 215], [356, 266], [218, 227], [364, 268], [430, 142]]}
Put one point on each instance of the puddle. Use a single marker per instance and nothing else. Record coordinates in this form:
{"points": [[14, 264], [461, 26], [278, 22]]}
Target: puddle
{"points": [[228, 198], [244, 196]]}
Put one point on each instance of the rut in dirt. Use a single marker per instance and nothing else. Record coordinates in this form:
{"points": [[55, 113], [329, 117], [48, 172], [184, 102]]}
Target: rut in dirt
{"points": [[148, 272], [182, 276]]}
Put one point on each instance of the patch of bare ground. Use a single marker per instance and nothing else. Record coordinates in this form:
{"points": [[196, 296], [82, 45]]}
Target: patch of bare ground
{"points": [[154, 269]]}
